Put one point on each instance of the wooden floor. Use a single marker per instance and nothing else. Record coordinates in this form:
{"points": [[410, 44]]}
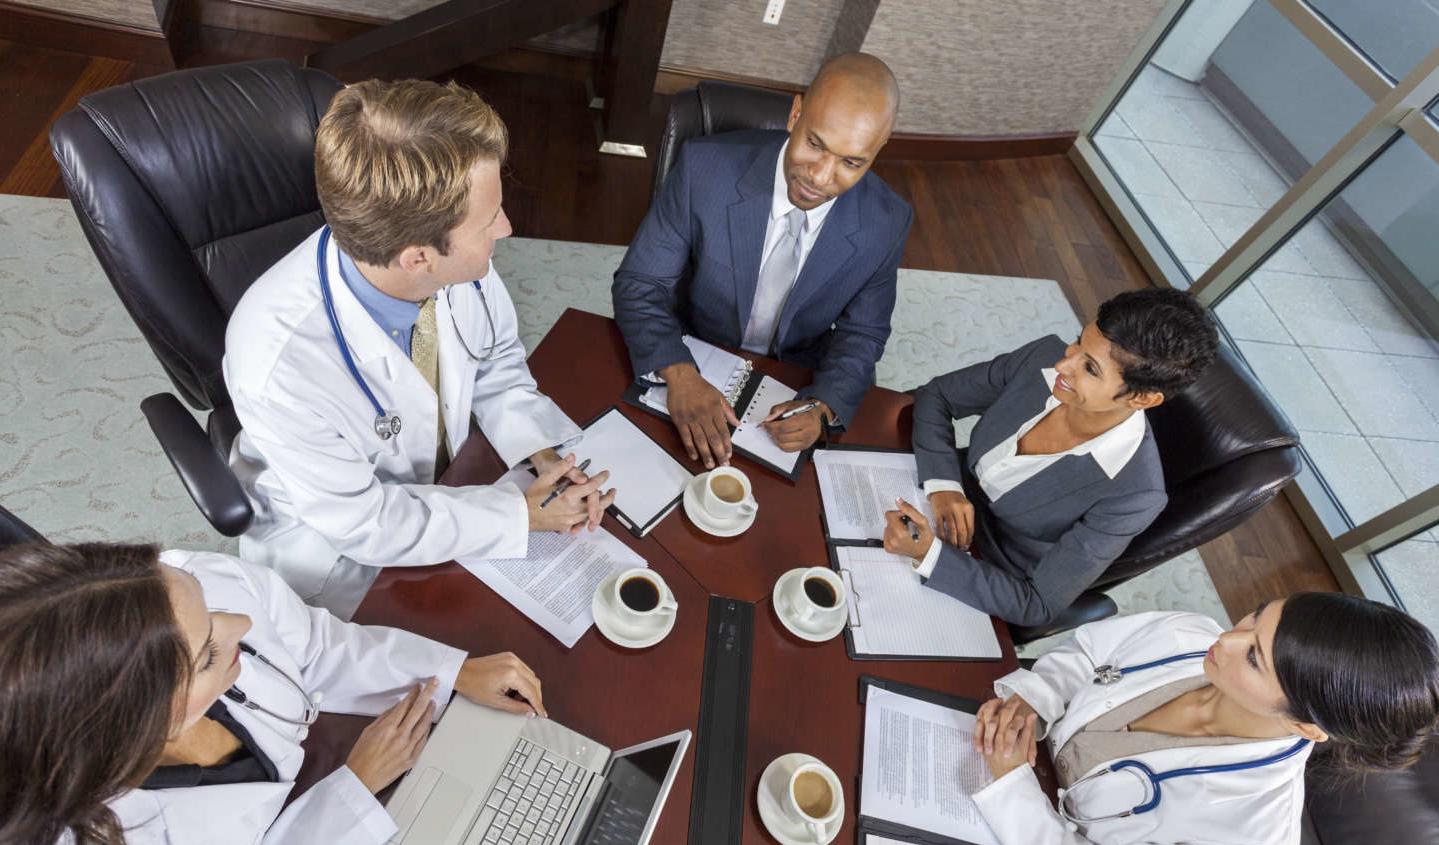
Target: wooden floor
{"points": [[1016, 217]]}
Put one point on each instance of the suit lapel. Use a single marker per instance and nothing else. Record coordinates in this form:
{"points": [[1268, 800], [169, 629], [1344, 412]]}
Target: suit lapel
{"points": [[1061, 479], [748, 219], [832, 250]]}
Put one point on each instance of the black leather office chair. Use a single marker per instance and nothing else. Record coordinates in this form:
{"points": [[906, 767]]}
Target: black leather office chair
{"points": [[1227, 451], [188, 186], [14, 531], [1400, 806], [711, 108]]}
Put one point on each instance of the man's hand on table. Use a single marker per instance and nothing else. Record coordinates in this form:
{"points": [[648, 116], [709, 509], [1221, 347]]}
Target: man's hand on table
{"points": [[581, 506], [799, 431], [700, 414], [501, 681]]}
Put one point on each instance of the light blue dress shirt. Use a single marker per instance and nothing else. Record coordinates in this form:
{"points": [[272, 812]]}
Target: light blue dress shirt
{"points": [[396, 316]]}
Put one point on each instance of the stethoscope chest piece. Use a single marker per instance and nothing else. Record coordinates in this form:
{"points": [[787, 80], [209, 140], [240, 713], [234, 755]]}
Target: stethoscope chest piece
{"points": [[1108, 674], [387, 425]]}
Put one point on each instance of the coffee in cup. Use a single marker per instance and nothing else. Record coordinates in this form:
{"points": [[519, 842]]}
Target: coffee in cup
{"points": [[815, 598], [639, 595], [727, 495], [814, 799]]}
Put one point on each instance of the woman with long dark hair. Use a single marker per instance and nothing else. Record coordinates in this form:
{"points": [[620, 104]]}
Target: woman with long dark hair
{"points": [[119, 670], [1164, 729]]}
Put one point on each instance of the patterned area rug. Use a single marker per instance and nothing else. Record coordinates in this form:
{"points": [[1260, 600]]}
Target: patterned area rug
{"points": [[77, 460]]}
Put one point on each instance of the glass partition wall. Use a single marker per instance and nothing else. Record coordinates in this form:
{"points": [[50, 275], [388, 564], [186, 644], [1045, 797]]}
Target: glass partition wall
{"points": [[1280, 159]]}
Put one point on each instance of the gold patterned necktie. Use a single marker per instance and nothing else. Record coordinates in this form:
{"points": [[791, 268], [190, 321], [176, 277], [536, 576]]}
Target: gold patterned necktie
{"points": [[425, 353]]}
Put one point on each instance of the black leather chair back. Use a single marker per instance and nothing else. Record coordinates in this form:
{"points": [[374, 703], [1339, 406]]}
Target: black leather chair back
{"points": [[1227, 450], [711, 108], [1395, 807], [188, 186], [14, 531]]}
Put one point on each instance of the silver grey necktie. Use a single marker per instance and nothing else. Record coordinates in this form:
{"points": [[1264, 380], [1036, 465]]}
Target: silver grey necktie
{"points": [[776, 278]]}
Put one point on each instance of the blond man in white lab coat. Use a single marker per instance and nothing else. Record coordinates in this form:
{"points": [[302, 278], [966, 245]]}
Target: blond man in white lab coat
{"points": [[393, 312]]}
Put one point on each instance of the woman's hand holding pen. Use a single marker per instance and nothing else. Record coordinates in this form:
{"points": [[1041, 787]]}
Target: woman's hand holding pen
{"points": [[900, 528]]}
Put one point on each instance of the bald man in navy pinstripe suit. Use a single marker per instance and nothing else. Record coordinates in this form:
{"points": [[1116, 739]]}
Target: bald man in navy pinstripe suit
{"points": [[782, 244]]}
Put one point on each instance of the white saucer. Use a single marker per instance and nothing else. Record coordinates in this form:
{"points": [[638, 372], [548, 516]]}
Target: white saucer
{"points": [[605, 620], [708, 524], [772, 786], [780, 601]]}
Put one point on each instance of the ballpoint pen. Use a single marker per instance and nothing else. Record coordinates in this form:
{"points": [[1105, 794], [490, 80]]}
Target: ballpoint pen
{"points": [[800, 410], [913, 529], [565, 484]]}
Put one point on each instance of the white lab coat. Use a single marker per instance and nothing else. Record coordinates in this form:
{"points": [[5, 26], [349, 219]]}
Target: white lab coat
{"points": [[332, 500], [1259, 806], [354, 668]]}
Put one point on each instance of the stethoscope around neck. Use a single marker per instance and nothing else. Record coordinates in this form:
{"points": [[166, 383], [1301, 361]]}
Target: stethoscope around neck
{"points": [[310, 711], [387, 425], [1147, 777]]}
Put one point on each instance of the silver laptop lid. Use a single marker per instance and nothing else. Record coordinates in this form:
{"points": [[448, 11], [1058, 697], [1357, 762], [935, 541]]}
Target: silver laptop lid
{"points": [[637, 781]]}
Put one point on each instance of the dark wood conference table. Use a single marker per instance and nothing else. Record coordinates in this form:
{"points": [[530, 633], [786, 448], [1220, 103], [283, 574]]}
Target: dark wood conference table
{"points": [[803, 696]]}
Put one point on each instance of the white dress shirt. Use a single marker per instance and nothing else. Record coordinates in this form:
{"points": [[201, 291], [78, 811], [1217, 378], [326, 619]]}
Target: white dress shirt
{"points": [[1002, 468], [781, 206]]}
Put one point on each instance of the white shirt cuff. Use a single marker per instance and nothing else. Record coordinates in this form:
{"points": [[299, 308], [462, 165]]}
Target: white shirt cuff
{"points": [[942, 485], [653, 377], [925, 565]]}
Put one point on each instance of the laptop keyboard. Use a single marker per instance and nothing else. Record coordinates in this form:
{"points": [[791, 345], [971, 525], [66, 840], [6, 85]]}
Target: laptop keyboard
{"points": [[529, 800]]}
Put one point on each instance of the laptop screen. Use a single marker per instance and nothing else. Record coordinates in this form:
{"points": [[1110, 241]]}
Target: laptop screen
{"points": [[632, 788]]}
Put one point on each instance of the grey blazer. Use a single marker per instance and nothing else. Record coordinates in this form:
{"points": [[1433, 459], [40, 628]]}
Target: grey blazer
{"points": [[1049, 538]]}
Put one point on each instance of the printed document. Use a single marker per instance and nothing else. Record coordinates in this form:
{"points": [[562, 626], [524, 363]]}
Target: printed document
{"points": [[554, 582], [920, 767], [892, 614], [857, 488]]}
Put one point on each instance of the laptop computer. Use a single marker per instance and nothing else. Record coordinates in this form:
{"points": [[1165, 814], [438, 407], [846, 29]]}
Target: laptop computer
{"points": [[486, 777]]}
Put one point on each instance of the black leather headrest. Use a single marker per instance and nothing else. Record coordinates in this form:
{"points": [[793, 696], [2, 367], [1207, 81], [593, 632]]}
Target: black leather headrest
{"points": [[14, 530], [711, 108], [1224, 415], [189, 185]]}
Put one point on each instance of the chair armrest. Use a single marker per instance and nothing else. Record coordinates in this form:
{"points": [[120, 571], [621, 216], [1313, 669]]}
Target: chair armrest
{"points": [[1091, 606], [208, 479]]}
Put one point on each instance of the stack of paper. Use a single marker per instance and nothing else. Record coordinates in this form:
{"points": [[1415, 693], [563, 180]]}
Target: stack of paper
{"points": [[921, 767], [554, 582]]}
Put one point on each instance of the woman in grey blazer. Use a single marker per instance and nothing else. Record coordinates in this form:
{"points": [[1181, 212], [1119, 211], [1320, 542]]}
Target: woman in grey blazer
{"points": [[1061, 470]]}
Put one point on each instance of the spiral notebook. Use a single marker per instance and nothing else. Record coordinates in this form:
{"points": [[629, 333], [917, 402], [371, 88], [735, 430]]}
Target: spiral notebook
{"points": [[751, 398]]}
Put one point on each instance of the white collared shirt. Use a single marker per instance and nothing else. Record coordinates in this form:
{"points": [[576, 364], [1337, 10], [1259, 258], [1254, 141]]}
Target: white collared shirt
{"points": [[1002, 468], [780, 206]]}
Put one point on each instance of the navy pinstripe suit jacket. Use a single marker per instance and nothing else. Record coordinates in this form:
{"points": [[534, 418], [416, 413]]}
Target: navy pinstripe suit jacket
{"points": [[694, 264]]}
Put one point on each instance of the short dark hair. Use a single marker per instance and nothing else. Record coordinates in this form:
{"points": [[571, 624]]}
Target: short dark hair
{"points": [[1364, 672], [1164, 339], [91, 661]]}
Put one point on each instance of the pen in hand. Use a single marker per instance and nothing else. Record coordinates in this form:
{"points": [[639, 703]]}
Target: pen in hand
{"points": [[564, 484], [802, 409], [913, 529]]}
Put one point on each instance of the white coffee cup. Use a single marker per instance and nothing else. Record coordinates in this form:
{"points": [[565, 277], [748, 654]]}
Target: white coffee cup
{"points": [[807, 592], [814, 799], [728, 495], [640, 595]]}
